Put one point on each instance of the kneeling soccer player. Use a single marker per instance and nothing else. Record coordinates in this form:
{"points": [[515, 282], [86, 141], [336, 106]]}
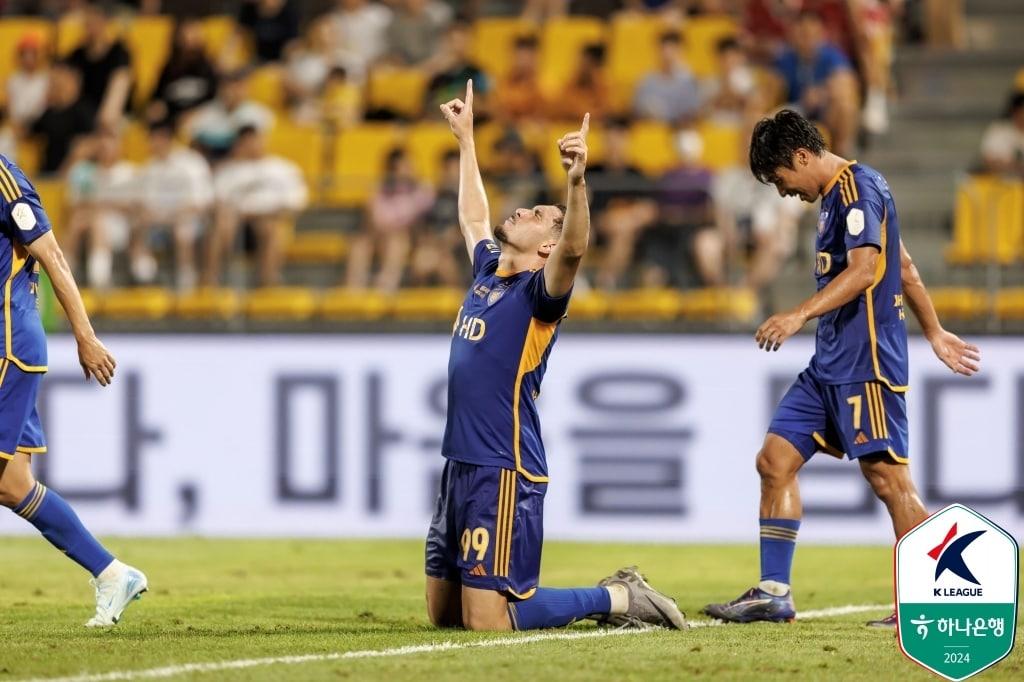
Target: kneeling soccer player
{"points": [[26, 242], [484, 545]]}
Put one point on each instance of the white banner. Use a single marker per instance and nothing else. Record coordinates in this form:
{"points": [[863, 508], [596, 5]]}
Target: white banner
{"points": [[649, 437]]}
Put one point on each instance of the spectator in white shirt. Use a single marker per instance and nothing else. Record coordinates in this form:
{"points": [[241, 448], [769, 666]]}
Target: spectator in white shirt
{"points": [[263, 191], [28, 86], [361, 31], [214, 126], [176, 194], [1002, 147], [670, 93]]}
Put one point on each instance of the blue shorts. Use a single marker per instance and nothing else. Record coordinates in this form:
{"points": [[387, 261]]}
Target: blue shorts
{"points": [[20, 428], [855, 420], [487, 529]]}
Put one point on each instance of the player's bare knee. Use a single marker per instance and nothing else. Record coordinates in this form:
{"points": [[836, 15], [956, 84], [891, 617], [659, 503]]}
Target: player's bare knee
{"points": [[772, 466], [886, 479], [16, 482]]}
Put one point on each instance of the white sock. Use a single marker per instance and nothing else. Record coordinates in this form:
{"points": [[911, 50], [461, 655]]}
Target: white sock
{"points": [[620, 599], [114, 570], [773, 587]]}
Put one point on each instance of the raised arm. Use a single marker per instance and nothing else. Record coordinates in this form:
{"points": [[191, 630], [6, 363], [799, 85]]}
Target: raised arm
{"points": [[96, 360], [564, 261], [474, 213], [954, 352], [847, 285]]}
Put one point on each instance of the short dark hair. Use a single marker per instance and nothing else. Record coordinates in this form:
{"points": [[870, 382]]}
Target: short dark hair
{"points": [[670, 36], [527, 40], [1016, 102], [556, 227], [776, 139], [726, 44], [594, 52]]}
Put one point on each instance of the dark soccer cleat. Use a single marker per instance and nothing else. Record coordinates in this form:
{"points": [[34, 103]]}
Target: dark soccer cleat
{"points": [[647, 606], [887, 622], [754, 605]]}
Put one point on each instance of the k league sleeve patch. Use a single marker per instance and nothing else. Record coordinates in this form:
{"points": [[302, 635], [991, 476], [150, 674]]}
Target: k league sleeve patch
{"points": [[23, 216], [855, 221]]}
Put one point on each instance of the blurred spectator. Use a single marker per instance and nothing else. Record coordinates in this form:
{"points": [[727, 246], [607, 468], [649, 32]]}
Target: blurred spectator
{"points": [[342, 101], [1002, 147], [188, 79], [271, 24], [519, 96], [732, 96], [415, 30], [63, 121], [309, 62], [538, 11], [685, 230], [670, 93], [622, 206], [944, 23], [451, 67], [104, 66], [820, 81], [586, 91], [873, 22], [102, 197], [398, 205], [214, 125], [8, 138], [28, 86], [438, 238], [361, 31], [176, 193], [260, 191], [516, 174], [768, 23]]}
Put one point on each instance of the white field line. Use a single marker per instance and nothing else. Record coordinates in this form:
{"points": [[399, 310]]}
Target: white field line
{"points": [[193, 668]]}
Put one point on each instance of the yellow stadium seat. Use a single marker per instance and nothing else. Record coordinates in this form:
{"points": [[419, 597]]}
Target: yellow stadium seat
{"points": [[428, 303], [208, 303], [645, 304], [359, 155], [562, 41], [317, 247], [961, 302], [988, 222], [135, 142], [494, 40], [632, 53], [1009, 304], [52, 195], [351, 304], [302, 145], [29, 155], [718, 304], [427, 144], [266, 85], [701, 38], [281, 303], [149, 41], [14, 29], [592, 305], [722, 145], [219, 31], [69, 33], [652, 147], [399, 90], [1018, 81], [144, 303], [91, 301]]}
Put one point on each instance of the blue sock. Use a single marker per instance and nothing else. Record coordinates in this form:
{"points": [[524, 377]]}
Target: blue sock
{"points": [[552, 608], [778, 542], [57, 521]]}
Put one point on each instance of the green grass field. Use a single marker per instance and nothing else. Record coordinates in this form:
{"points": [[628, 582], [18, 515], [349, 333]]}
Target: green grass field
{"points": [[213, 601]]}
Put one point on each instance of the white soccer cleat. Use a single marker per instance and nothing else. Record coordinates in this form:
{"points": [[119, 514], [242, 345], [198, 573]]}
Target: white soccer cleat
{"points": [[114, 594]]}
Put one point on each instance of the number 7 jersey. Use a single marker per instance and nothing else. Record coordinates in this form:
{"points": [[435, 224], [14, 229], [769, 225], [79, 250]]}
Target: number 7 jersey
{"points": [[866, 339]]}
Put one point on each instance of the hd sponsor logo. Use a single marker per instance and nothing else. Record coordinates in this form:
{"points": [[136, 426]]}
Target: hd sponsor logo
{"points": [[956, 591]]}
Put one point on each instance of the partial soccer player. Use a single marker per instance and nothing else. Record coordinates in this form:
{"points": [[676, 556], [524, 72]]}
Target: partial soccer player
{"points": [[26, 243], [483, 548], [851, 398]]}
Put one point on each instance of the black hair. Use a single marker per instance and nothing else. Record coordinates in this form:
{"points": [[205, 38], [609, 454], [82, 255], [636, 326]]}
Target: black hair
{"points": [[246, 131], [392, 159], [617, 123], [162, 125], [727, 43], [1016, 102], [527, 40], [594, 52], [449, 156], [776, 139], [670, 37]]}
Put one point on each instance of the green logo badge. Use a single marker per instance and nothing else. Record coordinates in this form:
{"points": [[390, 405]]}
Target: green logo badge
{"points": [[956, 592]]}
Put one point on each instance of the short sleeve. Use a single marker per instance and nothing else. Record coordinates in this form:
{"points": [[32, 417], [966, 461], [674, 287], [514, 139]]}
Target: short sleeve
{"points": [[832, 60], [863, 216], [546, 308], [485, 257], [24, 215]]}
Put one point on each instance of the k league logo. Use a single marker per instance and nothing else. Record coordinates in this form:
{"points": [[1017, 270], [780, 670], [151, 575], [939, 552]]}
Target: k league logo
{"points": [[956, 592]]}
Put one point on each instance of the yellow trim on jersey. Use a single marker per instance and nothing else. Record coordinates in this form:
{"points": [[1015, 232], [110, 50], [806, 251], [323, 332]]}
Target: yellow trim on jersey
{"points": [[897, 458], [851, 185], [538, 338], [3, 370], [8, 185], [18, 259], [825, 447], [844, 195], [529, 593], [506, 516], [835, 178], [29, 450], [869, 297], [6, 456]]}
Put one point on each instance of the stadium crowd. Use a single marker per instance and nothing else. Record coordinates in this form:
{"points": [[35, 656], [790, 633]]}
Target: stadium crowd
{"points": [[177, 161]]}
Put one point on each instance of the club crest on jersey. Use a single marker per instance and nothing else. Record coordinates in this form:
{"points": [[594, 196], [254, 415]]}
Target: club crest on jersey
{"points": [[496, 295], [822, 219]]}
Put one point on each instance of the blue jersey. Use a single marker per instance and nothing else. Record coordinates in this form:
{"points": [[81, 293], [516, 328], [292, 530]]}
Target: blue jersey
{"points": [[866, 339], [501, 340], [22, 221]]}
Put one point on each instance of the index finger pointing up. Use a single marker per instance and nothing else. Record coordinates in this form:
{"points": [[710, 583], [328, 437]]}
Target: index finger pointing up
{"points": [[469, 93], [585, 128]]}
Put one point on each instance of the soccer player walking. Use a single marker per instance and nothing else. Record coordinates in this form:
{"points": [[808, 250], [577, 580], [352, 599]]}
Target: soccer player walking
{"points": [[483, 548], [850, 400], [26, 243]]}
